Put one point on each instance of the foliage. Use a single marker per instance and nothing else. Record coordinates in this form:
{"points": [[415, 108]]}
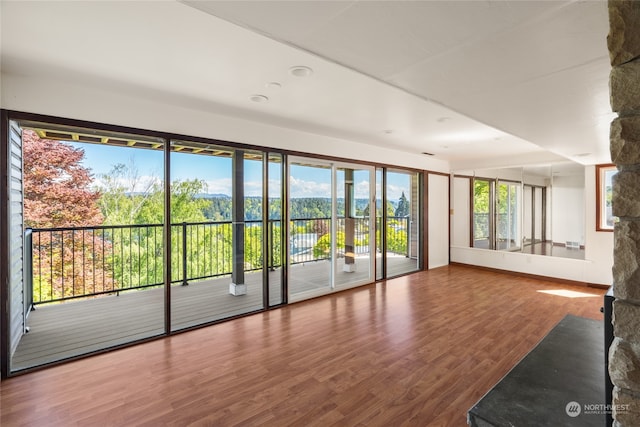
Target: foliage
{"points": [[481, 190], [128, 250], [57, 193], [129, 200], [56, 186], [396, 235], [322, 249], [506, 203], [403, 208]]}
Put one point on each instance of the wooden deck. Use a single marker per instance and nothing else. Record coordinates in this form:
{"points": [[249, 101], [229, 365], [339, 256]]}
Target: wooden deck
{"points": [[65, 330]]}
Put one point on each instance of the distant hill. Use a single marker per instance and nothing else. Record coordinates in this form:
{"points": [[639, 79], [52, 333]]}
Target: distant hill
{"points": [[219, 208]]}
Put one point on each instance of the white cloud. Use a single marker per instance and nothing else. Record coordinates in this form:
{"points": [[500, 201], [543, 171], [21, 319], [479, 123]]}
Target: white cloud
{"points": [[219, 186], [253, 189], [139, 184], [362, 189], [302, 188], [395, 191]]}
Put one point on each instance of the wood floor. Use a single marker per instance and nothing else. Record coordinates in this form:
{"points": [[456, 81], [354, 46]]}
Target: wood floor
{"points": [[418, 350]]}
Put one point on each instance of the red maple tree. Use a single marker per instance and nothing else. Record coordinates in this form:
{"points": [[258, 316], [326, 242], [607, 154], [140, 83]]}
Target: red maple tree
{"points": [[58, 195], [57, 189]]}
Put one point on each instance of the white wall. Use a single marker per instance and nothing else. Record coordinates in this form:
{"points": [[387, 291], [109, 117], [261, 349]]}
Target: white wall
{"points": [[568, 209], [460, 206], [438, 203], [595, 268]]}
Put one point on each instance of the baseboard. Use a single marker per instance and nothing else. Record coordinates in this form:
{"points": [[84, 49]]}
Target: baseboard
{"points": [[534, 276], [564, 245]]}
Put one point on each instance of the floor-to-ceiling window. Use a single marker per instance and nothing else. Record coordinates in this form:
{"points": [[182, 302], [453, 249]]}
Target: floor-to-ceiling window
{"points": [[331, 237], [402, 221], [147, 234], [310, 246], [272, 240], [93, 212], [354, 251], [217, 233]]}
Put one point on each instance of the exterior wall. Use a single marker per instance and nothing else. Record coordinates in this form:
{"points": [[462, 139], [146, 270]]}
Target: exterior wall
{"points": [[16, 301]]}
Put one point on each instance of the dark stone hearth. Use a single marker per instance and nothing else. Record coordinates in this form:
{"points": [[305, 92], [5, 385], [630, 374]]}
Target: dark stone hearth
{"points": [[566, 366]]}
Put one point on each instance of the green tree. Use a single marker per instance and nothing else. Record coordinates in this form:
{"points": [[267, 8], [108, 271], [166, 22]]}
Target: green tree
{"points": [[403, 208], [137, 253]]}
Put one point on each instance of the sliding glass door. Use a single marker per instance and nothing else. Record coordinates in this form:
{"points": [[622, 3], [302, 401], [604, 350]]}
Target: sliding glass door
{"points": [[155, 235], [354, 252], [402, 224], [331, 237], [217, 233], [310, 246]]}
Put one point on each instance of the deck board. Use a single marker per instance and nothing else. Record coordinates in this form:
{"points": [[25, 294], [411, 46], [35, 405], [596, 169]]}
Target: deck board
{"points": [[66, 330]]}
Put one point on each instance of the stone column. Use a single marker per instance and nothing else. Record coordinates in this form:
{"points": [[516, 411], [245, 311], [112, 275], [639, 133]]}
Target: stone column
{"points": [[624, 355]]}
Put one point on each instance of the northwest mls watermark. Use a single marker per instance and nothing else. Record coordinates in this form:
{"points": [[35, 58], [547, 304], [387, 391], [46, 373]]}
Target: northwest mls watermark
{"points": [[574, 409]]}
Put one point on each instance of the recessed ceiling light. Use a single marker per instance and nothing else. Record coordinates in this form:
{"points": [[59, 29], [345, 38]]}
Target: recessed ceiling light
{"points": [[259, 98], [427, 154], [300, 71], [582, 155], [273, 85], [388, 131], [443, 119]]}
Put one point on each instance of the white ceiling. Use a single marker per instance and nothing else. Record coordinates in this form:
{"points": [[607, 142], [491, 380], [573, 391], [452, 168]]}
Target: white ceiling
{"points": [[506, 82]]}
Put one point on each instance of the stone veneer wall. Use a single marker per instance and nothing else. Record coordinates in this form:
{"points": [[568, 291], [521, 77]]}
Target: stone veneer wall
{"points": [[624, 355]]}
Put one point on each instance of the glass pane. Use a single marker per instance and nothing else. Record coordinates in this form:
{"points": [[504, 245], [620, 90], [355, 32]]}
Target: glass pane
{"points": [[527, 219], [214, 212], [538, 205], [379, 245], [402, 226], [310, 241], [482, 214], [95, 242], [607, 214], [509, 213], [275, 230], [353, 240]]}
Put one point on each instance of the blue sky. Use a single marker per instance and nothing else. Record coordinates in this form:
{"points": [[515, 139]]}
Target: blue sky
{"points": [[216, 172]]}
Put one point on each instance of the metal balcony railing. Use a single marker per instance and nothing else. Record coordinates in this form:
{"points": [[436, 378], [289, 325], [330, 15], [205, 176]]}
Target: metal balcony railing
{"points": [[67, 263]]}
